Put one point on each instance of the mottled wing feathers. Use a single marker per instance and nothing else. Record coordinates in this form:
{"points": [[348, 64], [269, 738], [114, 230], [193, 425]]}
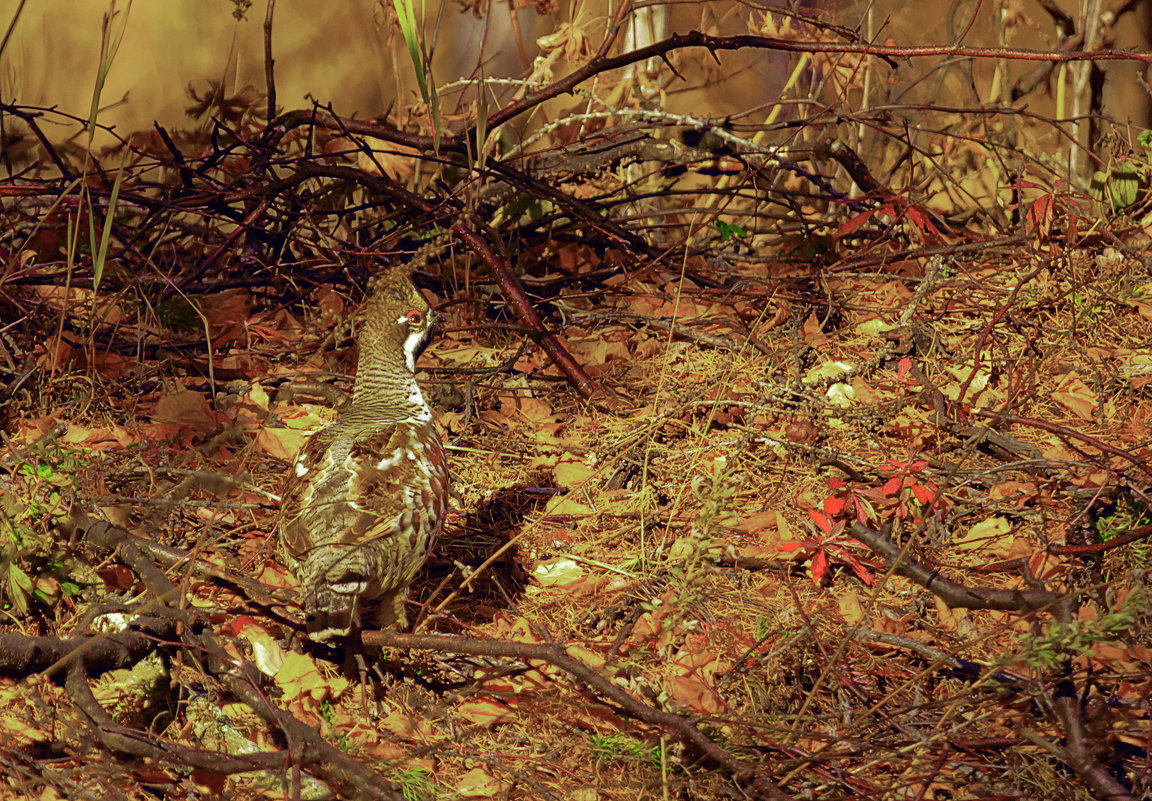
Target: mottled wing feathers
{"points": [[299, 493], [361, 514], [345, 487]]}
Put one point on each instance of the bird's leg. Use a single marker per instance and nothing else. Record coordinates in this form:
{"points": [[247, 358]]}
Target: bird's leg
{"points": [[354, 659], [392, 613]]}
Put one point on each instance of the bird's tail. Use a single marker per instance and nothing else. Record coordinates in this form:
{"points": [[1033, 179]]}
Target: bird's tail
{"points": [[334, 579], [332, 610]]}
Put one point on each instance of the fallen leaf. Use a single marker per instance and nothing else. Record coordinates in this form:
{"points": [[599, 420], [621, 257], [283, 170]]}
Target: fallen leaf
{"points": [[570, 470], [486, 712], [185, 408], [557, 572], [589, 657], [282, 443], [299, 676], [850, 608], [227, 315], [478, 783], [99, 439], [982, 534], [564, 505], [758, 522], [695, 694], [1075, 396]]}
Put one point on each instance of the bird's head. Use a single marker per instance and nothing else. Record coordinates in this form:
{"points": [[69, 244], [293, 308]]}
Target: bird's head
{"points": [[397, 319]]}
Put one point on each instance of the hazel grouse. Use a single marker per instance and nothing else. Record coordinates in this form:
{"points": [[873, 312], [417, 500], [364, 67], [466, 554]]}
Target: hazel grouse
{"points": [[369, 492]]}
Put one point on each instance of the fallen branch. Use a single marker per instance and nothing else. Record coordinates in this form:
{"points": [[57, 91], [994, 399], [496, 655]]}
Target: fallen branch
{"points": [[682, 728]]}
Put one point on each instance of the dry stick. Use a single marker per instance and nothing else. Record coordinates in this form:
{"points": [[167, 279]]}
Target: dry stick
{"points": [[1078, 751], [1061, 431], [616, 233], [958, 595], [511, 288], [306, 747], [137, 743], [1101, 547], [513, 177], [245, 688], [245, 225], [269, 62], [715, 43], [527, 314], [555, 655], [603, 63], [22, 656]]}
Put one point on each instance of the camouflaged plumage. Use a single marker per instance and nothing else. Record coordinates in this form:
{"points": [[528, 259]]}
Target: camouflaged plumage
{"points": [[369, 493]]}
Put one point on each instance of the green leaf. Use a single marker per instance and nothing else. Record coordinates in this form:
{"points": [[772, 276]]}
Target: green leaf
{"points": [[19, 588], [729, 230]]}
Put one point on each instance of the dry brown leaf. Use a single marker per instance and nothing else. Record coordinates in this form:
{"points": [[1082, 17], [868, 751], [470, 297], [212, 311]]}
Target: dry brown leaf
{"points": [[185, 408], [812, 333], [1076, 396], [300, 678], [394, 160], [985, 534], [282, 443], [695, 694], [531, 409], [593, 659], [478, 783], [850, 608], [566, 505], [570, 40], [949, 618], [29, 430], [99, 439], [760, 521], [570, 470], [486, 711], [227, 315]]}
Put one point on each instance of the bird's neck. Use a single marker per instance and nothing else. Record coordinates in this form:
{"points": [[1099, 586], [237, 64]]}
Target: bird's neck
{"points": [[384, 384]]}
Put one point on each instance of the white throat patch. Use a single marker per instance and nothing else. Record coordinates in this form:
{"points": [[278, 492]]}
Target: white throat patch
{"points": [[411, 348]]}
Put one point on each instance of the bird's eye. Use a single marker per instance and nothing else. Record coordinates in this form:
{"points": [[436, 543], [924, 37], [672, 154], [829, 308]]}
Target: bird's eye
{"points": [[414, 317]]}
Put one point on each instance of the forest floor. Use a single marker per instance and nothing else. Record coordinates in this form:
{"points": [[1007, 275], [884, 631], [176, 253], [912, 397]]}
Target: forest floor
{"points": [[688, 535]]}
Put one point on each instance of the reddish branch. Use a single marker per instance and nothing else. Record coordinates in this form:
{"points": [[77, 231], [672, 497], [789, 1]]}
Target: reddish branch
{"points": [[509, 285], [518, 179], [603, 63], [23, 656], [1062, 431], [1080, 750], [137, 743], [515, 294], [719, 43], [244, 227], [1101, 547]]}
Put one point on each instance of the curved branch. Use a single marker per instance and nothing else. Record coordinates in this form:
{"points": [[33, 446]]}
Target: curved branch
{"points": [[137, 743], [888, 53], [958, 595], [321, 759], [682, 727]]}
